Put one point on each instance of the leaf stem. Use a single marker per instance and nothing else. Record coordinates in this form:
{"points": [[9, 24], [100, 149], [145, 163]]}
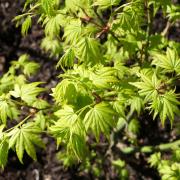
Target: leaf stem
{"points": [[19, 124], [149, 14]]}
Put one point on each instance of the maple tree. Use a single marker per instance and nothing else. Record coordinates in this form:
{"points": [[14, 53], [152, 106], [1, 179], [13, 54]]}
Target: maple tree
{"points": [[98, 91]]}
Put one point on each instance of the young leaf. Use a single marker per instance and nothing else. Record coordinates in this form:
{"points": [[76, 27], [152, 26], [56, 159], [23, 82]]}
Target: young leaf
{"points": [[73, 32], [69, 128], [7, 109], [4, 148], [28, 68], [48, 6], [65, 92], [52, 46], [104, 4], [148, 86], [24, 139], [100, 119], [169, 62], [27, 92], [67, 60], [103, 77], [53, 25], [26, 25], [166, 105], [88, 51]]}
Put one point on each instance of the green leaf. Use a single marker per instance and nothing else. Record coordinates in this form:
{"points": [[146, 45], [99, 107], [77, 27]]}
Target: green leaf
{"points": [[48, 6], [136, 104], [28, 68], [155, 159], [40, 104], [52, 46], [7, 108], [67, 113], [20, 146], [75, 5], [173, 13], [166, 105], [4, 148], [40, 120], [134, 126], [104, 4], [169, 62], [24, 139], [88, 51], [53, 25], [27, 92], [148, 86], [65, 92], [100, 119], [73, 32], [130, 18], [67, 60], [26, 25], [70, 129], [103, 77]]}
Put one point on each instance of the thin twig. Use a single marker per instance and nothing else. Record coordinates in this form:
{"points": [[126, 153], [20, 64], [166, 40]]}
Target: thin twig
{"points": [[166, 29]]}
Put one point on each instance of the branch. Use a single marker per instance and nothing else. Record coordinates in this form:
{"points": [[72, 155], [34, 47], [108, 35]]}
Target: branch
{"points": [[150, 149], [166, 29]]}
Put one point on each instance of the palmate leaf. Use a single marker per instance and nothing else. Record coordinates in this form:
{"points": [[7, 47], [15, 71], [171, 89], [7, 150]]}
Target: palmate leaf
{"points": [[48, 6], [148, 86], [100, 119], [27, 67], [136, 104], [169, 62], [30, 68], [70, 129], [164, 4], [53, 25], [104, 4], [173, 13], [102, 77], [24, 139], [73, 32], [7, 109], [74, 5], [67, 60], [26, 25], [27, 92], [52, 46], [166, 106], [170, 171], [65, 92], [131, 18], [88, 51], [4, 148]]}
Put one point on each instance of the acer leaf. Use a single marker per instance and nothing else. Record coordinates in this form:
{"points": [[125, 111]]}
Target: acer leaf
{"points": [[67, 60], [100, 119], [169, 62], [7, 109], [69, 128], [25, 138], [148, 86], [103, 77], [27, 92], [26, 25], [4, 148], [104, 4], [88, 51]]}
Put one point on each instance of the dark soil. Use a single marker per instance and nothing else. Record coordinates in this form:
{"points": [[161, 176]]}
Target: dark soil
{"points": [[12, 44]]}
